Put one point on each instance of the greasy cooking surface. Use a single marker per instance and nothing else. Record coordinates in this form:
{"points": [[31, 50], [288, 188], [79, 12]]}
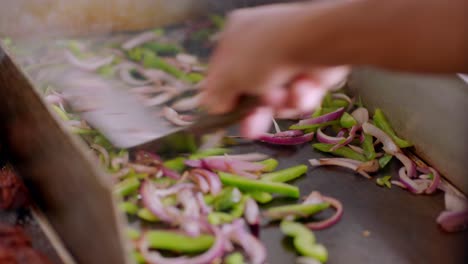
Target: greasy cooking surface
{"points": [[402, 225]]}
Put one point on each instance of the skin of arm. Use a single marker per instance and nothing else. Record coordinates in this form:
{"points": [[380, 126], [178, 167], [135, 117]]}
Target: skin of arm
{"points": [[263, 50]]}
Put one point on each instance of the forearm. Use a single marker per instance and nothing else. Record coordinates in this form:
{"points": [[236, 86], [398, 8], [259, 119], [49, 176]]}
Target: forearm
{"points": [[409, 35]]}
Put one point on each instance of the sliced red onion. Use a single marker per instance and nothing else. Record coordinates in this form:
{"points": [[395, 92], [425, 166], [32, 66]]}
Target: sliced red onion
{"points": [[145, 90], [54, 99], [139, 40], [342, 132], [324, 118], [356, 149], [172, 116], [413, 186], [313, 198], [89, 64], [151, 201], [170, 173], [227, 164], [194, 163], [324, 138], [289, 133], [213, 140], [399, 184], [362, 137], [388, 145], [103, 152], [187, 104], [159, 99], [251, 245], [361, 115], [409, 165], [435, 181], [276, 126], [453, 221], [200, 181], [211, 178], [254, 156], [341, 162], [333, 219], [187, 58], [252, 212], [216, 251], [282, 140], [125, 73], [352, 134], [455, 202], [204, 208]]}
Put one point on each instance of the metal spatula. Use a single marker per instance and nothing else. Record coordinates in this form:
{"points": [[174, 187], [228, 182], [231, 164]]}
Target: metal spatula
{"points": [[110, 108]]}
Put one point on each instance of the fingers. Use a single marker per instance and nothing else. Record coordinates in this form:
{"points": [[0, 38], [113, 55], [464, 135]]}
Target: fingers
{"points": [[306, 95], [257, 123]]}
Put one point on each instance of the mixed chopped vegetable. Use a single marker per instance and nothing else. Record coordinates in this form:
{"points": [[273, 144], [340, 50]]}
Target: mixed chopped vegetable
{"points": [[203, 206]]}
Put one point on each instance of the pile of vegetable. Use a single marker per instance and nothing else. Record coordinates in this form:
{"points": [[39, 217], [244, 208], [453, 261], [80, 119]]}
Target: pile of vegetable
{"points": [[207, 206]]}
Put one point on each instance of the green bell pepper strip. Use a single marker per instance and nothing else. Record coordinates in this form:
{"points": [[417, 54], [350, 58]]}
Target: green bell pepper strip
{"points": [[234, 258], [62, 114], [138, 257], [384, 160], [296, 210], [227, 199], [146, 215], [169, 200], [317, 112], [255, 185], [176, 164], [209, 152], [218, 218], [339, 103], [368, 147], [347, 120], [327, 100], [177, 242], [382, 122], [285, 175], [128, 208], [127, 186], [261, 197], [162, 48], [209, 199], [314, 127], [384, 181], [133, 233], [343, 151], [194, 77], [304, 241], [151, 60], [269, 164], [239, 208]]}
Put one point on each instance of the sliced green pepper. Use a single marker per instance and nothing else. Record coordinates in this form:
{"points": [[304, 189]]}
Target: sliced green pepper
{"points": [[317, 112], [382, 122], [62, 114], [177, 242], [176, 164], [127, 186], [297, 210], [227, 199], [285, 175], [162, 48], [218, 218], [314, 127], [254, 185], [261, 197], [339, 103], [384, 160], [133, 233], [347, 120], [343, 151], [194, 77], [270, 164], [209, 152], [304, 240], [384, 181], [128, 208], [151, 60], [138, 257], [234, 258], [146, 215], [327, 100], [368, 147]]}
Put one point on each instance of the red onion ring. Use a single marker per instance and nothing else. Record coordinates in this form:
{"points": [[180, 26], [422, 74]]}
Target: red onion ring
{"points": [[341, 162], [435, 181], [343, 96], [251, 245], [200, 181], [151, 201], [187, 104], [254, 156], [90, 64], [159, 99], [126, 76], [413, 186], [324, 118], [289, 133], [216, 251], [172, 116], [211, 178], [409, 165], [388, 145], [356, 149], [333, 219], [282, 140], [204, 208], [399, 184], [342, 132], [352, 134], [252, 212], [361, 115], [139, 40], [324, 138]]}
